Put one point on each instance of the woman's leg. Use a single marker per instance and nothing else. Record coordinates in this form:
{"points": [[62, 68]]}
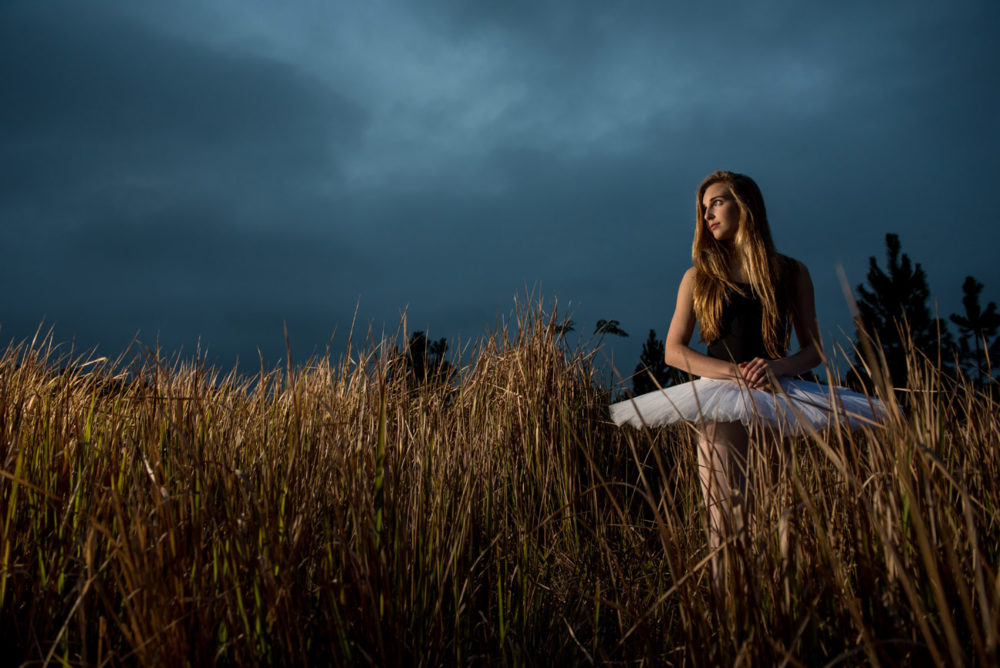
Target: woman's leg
{"points": [[722, 461]]}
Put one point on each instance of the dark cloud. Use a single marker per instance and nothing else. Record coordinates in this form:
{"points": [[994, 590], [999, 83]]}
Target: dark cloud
{"points": [[99, 107], [183, 276], [217, 169], [160, 185]]}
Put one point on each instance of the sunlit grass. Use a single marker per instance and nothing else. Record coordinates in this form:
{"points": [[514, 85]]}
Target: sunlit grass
{"points": [[158, 511]]}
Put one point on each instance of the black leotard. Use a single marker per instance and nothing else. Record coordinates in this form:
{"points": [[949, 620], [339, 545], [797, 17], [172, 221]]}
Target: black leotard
{"points": [[742, 317]]}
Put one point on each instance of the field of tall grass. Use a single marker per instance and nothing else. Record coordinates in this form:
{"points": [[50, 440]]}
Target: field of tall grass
{"points": [[159, 511]]}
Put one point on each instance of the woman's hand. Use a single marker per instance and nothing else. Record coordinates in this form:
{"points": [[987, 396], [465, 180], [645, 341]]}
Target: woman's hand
{"points": [[760, 373]]}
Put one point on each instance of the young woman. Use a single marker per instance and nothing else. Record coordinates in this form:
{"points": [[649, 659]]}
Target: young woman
{"points": [[745, 298]]}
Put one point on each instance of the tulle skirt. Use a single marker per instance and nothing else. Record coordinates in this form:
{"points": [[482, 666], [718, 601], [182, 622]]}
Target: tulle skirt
{"points": [[791, 408]]}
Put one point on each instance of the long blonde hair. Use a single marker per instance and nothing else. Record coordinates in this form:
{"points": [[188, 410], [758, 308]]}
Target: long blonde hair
{"points": [[769, 273]]}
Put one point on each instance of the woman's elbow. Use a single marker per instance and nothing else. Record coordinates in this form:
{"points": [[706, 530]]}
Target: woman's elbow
{"points": [[814, 355], [673, 355]]}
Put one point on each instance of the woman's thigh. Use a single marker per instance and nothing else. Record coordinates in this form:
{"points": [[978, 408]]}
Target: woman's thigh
{"points": [[724, 443]]}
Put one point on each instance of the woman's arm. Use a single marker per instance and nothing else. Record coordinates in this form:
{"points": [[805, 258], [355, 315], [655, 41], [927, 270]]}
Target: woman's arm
{"points": [[806, 327], [678, 352]]}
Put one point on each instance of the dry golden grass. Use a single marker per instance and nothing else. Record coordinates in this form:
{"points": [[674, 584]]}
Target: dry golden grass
{"points": [[160, 512]]}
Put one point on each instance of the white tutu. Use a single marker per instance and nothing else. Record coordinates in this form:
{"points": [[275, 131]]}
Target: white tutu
{"points": [[798, 403]]}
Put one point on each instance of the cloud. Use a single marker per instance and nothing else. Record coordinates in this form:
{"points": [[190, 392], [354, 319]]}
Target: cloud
{"points": [[149, 182], [101, 107], [246, 161]]}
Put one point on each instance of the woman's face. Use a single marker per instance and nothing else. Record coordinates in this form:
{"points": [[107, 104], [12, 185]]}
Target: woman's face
{"points": [[722, 213]]}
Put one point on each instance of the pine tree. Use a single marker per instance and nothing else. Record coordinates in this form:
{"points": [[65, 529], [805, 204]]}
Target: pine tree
{"points": [[980, 327], [652, 365], [895, 312], [425, 359]]}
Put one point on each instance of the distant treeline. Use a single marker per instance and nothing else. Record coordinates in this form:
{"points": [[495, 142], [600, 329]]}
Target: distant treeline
{"points": [[893, 320]]}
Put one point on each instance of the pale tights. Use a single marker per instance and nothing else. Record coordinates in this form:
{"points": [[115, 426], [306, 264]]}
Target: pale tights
{"points": [[722, 468]]}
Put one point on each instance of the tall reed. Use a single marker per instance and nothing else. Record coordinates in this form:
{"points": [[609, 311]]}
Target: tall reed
{"points": [[159, 511]]}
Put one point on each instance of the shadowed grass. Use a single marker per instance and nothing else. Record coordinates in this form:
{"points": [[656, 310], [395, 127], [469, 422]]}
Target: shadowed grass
{"points": [[158, 511]]}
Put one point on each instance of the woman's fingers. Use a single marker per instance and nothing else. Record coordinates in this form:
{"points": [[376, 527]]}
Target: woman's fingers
{"points": [[749, 375], [754, 369], [756, 373]]}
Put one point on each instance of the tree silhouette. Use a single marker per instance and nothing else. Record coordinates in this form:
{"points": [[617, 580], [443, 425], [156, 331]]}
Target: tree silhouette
{"points": [[603, 327], [609, 327], [652, 366], [425, 359], [978, 326], [894, 311], [563, 328]]}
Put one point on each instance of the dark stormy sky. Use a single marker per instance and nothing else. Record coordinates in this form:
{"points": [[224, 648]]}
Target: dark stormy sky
{"points": [[214, 169]]}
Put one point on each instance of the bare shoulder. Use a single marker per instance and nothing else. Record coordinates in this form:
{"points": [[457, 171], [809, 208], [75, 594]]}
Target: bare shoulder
{"points": [[687, 281], [798, 271]]}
